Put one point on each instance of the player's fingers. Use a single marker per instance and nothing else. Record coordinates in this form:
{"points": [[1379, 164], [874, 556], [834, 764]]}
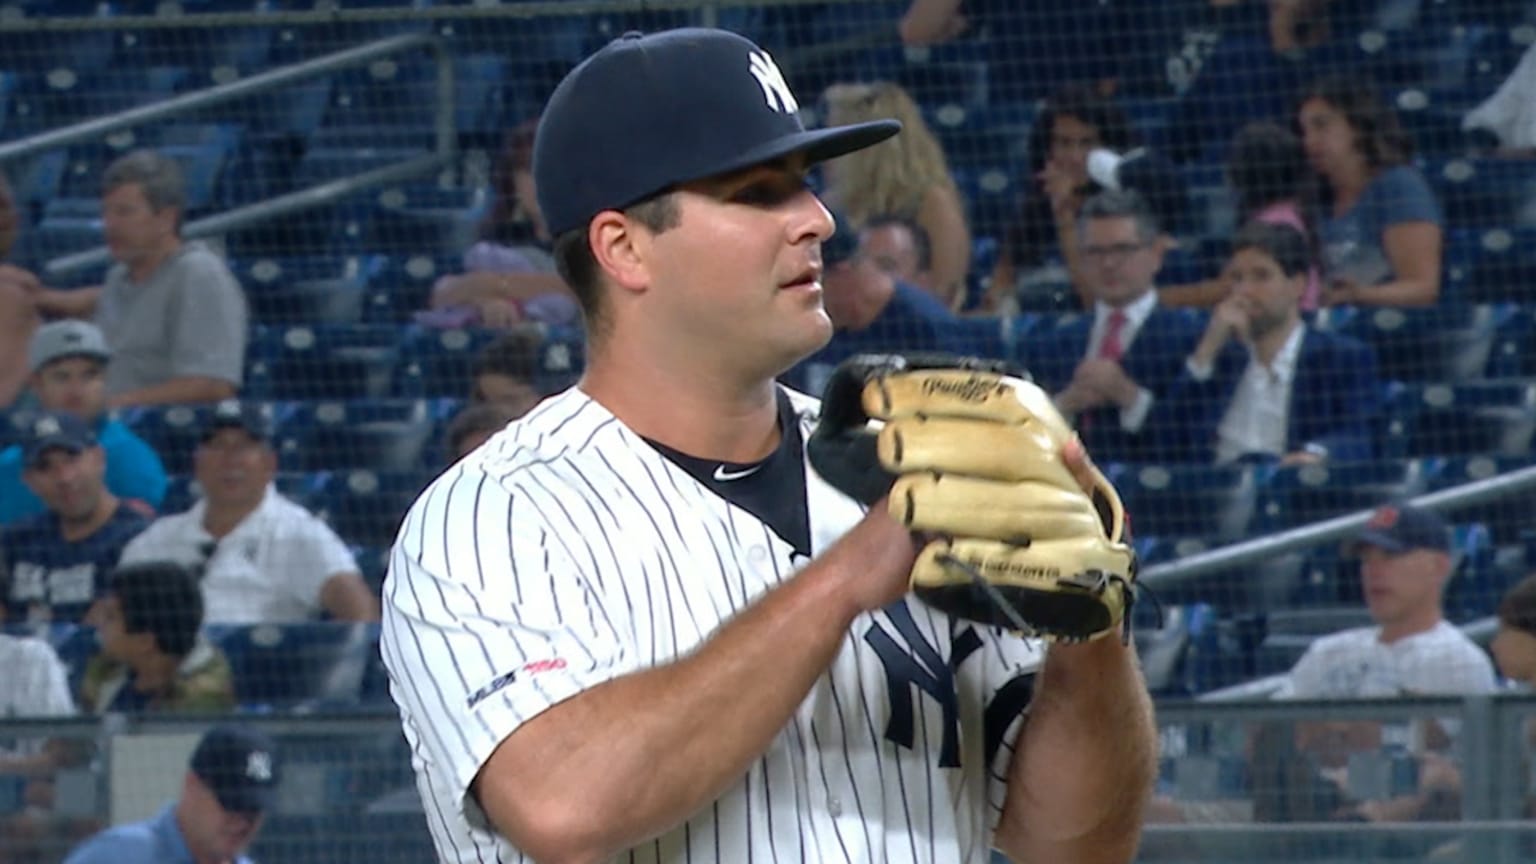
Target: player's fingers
{"points": [[1012, 512], [999, 451]]}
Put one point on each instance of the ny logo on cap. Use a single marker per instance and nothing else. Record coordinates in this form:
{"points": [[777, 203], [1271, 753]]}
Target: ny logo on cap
{"points": [[258, 766], [46, 426], [775, 89]]}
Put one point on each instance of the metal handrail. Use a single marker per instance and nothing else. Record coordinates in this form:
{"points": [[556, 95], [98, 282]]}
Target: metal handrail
{"points": [[445, 139]]}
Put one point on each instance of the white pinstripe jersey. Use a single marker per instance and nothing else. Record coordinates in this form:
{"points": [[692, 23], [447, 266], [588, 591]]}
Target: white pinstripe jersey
{"points": [[568, 551]]}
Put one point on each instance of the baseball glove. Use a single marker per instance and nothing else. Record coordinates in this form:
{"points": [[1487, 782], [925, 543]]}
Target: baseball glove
{"points": [[970, 454]]}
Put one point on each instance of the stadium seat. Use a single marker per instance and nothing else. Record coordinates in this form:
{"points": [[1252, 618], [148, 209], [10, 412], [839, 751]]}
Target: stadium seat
{"points": [[1506, 517], [378, 434], [1513, 354], [311, 289], [289, 666], [403, 286], [1449, 342], [324, 164], [1297, 495], [988, 336], [1215, 502], [400, 227], [365, 507], [331, 228], [1504, 266], [321, 362], [1486, 193], [175, 430], [439, 363], [1496, 418]]}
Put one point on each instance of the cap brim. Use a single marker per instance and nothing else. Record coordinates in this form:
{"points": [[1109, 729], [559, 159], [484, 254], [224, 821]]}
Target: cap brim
{"points": [[250, 799], [818, 145], [1381, 540], [41, 448]]}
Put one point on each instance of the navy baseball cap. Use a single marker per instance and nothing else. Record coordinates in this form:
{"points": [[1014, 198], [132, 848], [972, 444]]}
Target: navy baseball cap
{"points": [[650, 111], [56, 431], [234, 414], [1399, 528], [239, 766]]}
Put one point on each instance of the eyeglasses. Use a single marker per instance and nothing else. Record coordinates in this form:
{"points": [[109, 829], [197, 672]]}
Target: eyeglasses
{"points": [[1114, 252]]}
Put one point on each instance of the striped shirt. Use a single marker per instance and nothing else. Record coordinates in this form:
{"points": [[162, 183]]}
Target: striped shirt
{"points": [[568, 551]]}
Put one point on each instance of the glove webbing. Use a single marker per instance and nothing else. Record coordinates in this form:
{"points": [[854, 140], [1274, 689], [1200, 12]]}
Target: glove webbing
{"points": [[1131, 589]]}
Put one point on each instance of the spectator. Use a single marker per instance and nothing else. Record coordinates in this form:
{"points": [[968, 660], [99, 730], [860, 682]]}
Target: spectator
{"points": [[231, 785], [36, 687], [1405, 563], [904, 176], [18, 317], [265, 558], [474, 425], [1514, 646], [1380, 226], [1109, 368], [152, 657], [68, 360], [1268, 175], [173, 314], [59, 560], [899, 247], [509, 272], [870, 309], [507, 371], [1260, 381], [1041, 244]]}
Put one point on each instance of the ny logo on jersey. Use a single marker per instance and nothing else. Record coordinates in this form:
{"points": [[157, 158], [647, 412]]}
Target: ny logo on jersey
{"points": [[921, 667], [775, 88]]}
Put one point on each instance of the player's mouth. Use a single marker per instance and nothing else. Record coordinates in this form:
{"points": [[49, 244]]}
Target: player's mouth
{"points": [[808, 279]]}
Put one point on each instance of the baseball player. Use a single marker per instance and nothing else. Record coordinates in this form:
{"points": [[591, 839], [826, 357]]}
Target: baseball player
{"points": [[635, 625]]}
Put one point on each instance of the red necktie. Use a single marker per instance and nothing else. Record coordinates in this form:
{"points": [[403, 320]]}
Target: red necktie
{"points": [[1110, 347]]}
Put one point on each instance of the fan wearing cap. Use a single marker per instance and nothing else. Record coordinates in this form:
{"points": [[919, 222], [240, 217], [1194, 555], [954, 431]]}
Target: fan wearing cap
{"points": [[636, 620], [59, 560], [68, 361], [265, 559], [228, 789]]}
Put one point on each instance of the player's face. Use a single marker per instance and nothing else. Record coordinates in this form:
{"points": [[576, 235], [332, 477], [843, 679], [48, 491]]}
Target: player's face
{"points": [[739, 276], [234, 469], [1268, 296], [1120, 261], [1400, 586], [135, 231], [214, 834], [1327, 137], [74, 385], [69, 484], [892, 249], [1515, 652], [1071, 142]]}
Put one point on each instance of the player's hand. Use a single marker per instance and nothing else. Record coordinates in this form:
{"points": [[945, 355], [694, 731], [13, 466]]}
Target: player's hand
{"points": [[880, 552]]}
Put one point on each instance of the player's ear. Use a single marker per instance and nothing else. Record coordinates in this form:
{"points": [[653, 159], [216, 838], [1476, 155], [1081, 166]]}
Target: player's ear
{"points": [[620, 248]]}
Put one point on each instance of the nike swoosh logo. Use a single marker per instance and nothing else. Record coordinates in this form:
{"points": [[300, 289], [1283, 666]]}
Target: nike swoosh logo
{"points": [[724, 476]]}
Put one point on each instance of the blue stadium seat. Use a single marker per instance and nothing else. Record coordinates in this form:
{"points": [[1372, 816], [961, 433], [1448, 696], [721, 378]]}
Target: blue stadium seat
{"points": [[400, 225], [333, 228], [1215, 502], [401, 93], [378, 434], [172, 430], [365, 507], [1508, 517], [404, 285], [321, 362], [1496, 418], [1513, 354], [1449, 342], [313, 289], [54, 238], [1486, 193], [1504, 267], [981, 336], [1297, 495], [69, 94], [323, 164], [289, 666], [439, 363]]}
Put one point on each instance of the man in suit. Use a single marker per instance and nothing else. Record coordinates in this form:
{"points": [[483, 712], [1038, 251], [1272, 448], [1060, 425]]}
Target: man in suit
{"points": [[1108, 369], [1261, 382]]}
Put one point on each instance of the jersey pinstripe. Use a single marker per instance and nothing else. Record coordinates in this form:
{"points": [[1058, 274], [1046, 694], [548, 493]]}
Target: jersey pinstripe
{"points": [[568, 551]]}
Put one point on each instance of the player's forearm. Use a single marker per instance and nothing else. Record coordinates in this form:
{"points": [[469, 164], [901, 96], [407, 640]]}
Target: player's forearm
{"points": [[1085, 762], [634, 757]]}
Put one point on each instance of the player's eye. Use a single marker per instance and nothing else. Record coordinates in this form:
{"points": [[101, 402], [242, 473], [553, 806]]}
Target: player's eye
{"points": [[769, 191]]}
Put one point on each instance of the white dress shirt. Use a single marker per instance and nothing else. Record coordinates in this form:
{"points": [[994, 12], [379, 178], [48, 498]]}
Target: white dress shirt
{"points": [[1258, 418]]}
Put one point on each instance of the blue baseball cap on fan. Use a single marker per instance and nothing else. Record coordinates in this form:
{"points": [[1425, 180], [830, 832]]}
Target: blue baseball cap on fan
{"points": [[650, 111]]}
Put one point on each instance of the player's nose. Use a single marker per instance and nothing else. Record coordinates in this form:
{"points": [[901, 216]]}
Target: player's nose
{"points": [[812, 221]]}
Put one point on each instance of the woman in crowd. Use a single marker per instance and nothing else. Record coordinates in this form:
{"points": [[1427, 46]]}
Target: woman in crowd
{"points": [[1379, 225], [906, 176], [1270, 182], [1043, 239], [510, 274]]}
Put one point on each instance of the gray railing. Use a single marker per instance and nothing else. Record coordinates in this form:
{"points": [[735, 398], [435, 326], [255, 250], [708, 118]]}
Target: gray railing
{"points": [[445, 138]]}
